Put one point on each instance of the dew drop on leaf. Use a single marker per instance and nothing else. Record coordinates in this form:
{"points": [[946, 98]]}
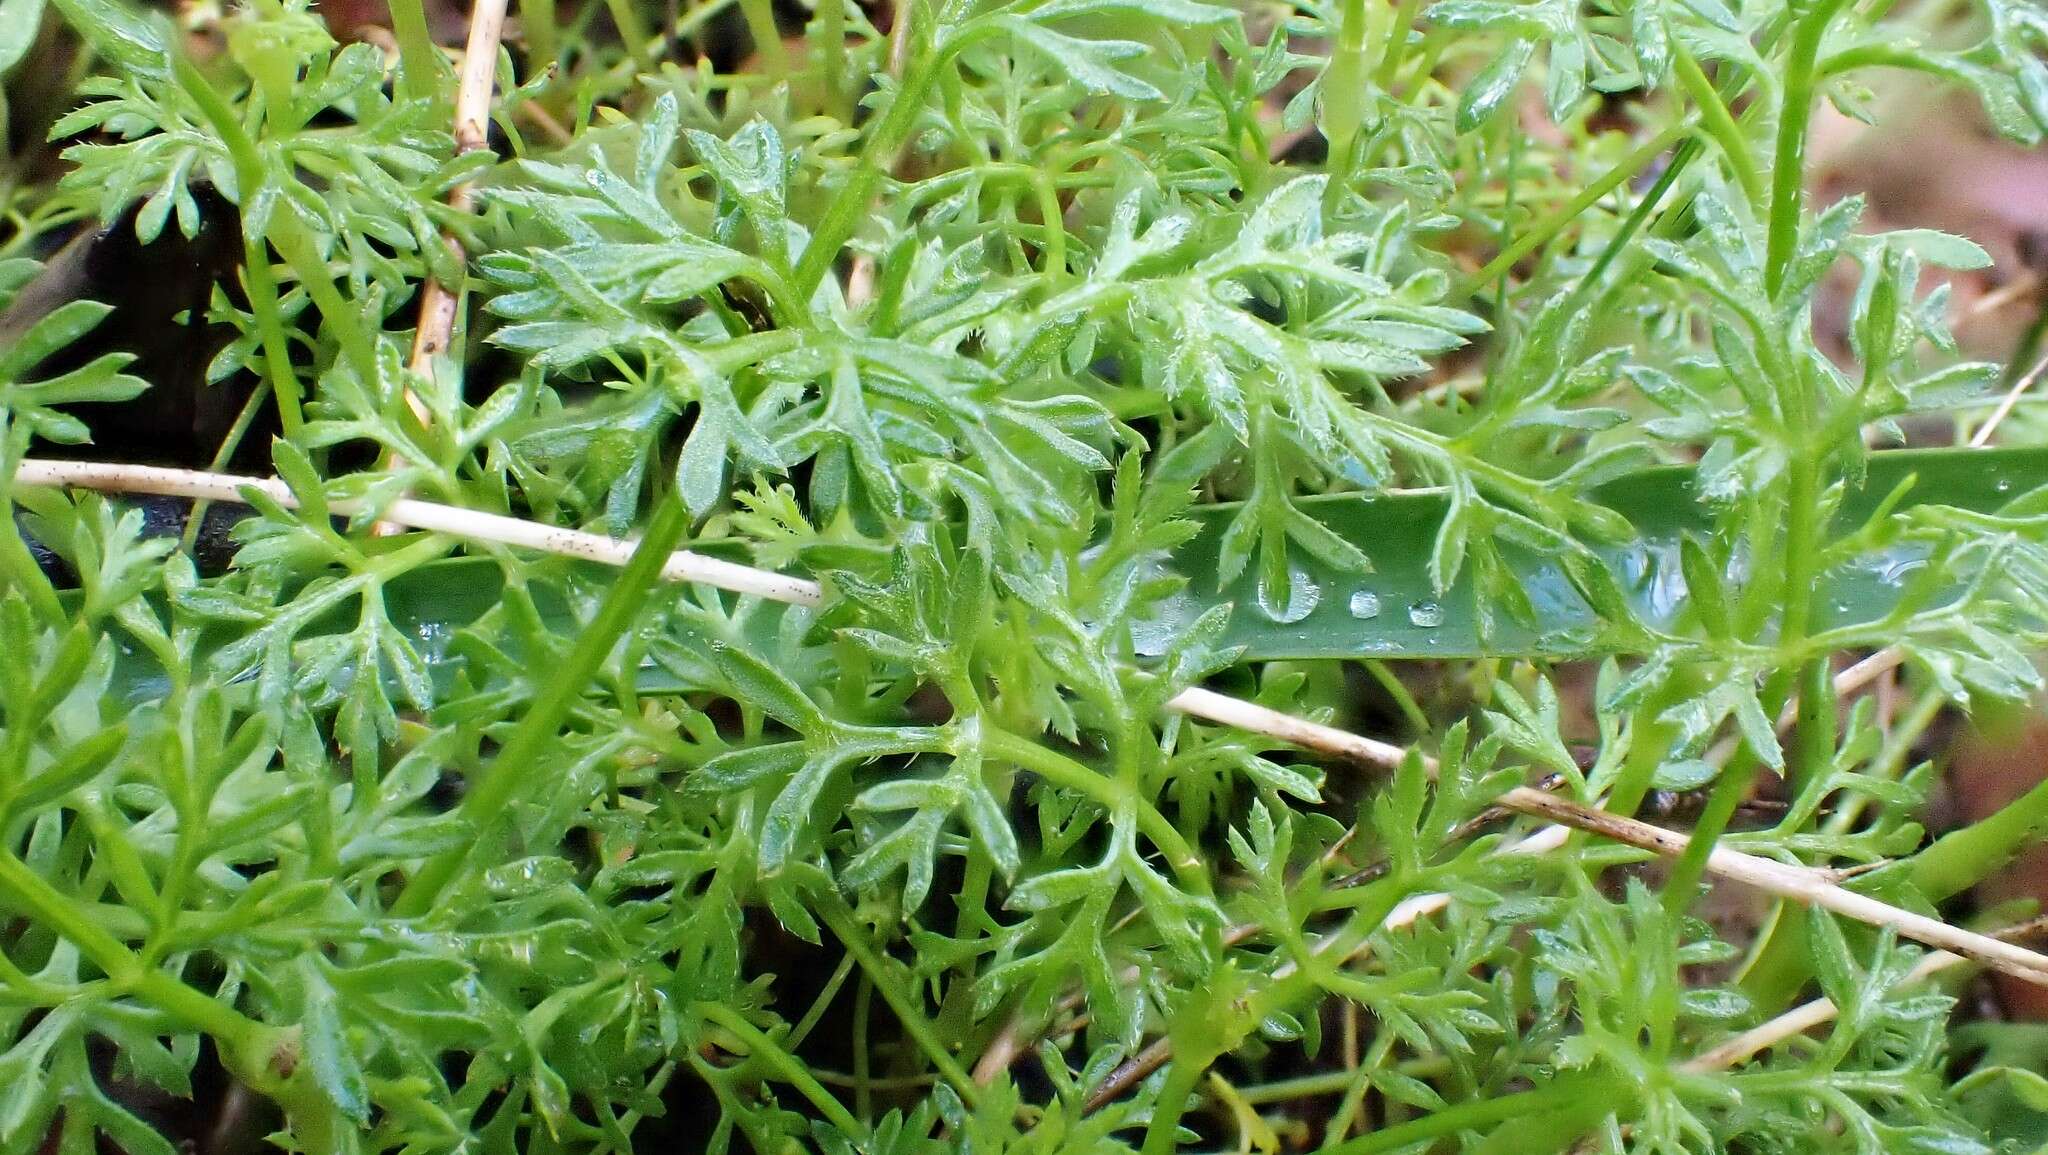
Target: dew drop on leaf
{"points": [[1365, 605], [1428, 615], [1895, 573], [1302, 595]]}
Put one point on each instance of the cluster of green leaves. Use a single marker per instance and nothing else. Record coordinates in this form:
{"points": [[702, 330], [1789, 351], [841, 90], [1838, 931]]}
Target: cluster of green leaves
{"points": [[974, 328]]}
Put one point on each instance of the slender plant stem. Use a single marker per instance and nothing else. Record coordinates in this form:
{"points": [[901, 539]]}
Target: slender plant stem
{"points": [[850, 203], [1788, 165], [1799, 883], [19, 566], [831, 33], [1343, 89], [1594, 192], [632, 30], [1802, 546], [1962, 858], [419, 65], [238, 1034], [1719, 123], [1061, 770], [196, 519], [1469, 1116], [286, 233], [277, 359], [257, 277], [295, 244], [834, 914], [519, 759], [760, 17], [830, 991], [863, 1082], [1162, 1134], [1396, 48], [537, 22], [766, 1049], [1404, 701]]}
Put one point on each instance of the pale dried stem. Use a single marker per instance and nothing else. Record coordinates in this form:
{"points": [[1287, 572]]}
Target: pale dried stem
{"points": [[1405, 914], [1807, 1016], [469, 524], [1801, 884], [2020, 287], [1797, 1021], [2006, 404], [439, 305]]}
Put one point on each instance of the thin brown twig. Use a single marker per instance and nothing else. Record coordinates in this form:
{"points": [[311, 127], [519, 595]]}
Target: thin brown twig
{"points": [[438, 304]]}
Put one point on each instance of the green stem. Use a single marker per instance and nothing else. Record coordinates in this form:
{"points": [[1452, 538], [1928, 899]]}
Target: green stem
{"points": [[1061, 770], [196, 520], [809, 1022], [518, 761], [1470, 1116], [1720, 124], [1815, 720], [1962, 858], [19, 566], [1162, 1134], [760, 1046], [1898, 746], [1055, 228], [1343, 88], [631, 29], [851, 203], [760, 17], [1589, 196], [240, 1037], [1396, 48], [537, 21], [1649, 742], [286, 234], [1883, 56], [295, 245], [277, 358], [835, 915], [863, 1087], [418, 61], [1788, 165], [831, 26], [1814, 729], [1411, 710]]}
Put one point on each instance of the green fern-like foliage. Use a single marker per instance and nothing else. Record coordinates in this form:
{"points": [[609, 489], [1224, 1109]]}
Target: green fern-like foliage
{"points": [[978, 313]]}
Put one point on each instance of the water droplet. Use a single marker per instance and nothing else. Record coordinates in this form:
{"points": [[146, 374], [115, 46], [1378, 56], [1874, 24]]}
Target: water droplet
{"points": [[2004, 485], [1365, 605], [1428, 615], [432, 639], [1302, 595], [1895, 573]]}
